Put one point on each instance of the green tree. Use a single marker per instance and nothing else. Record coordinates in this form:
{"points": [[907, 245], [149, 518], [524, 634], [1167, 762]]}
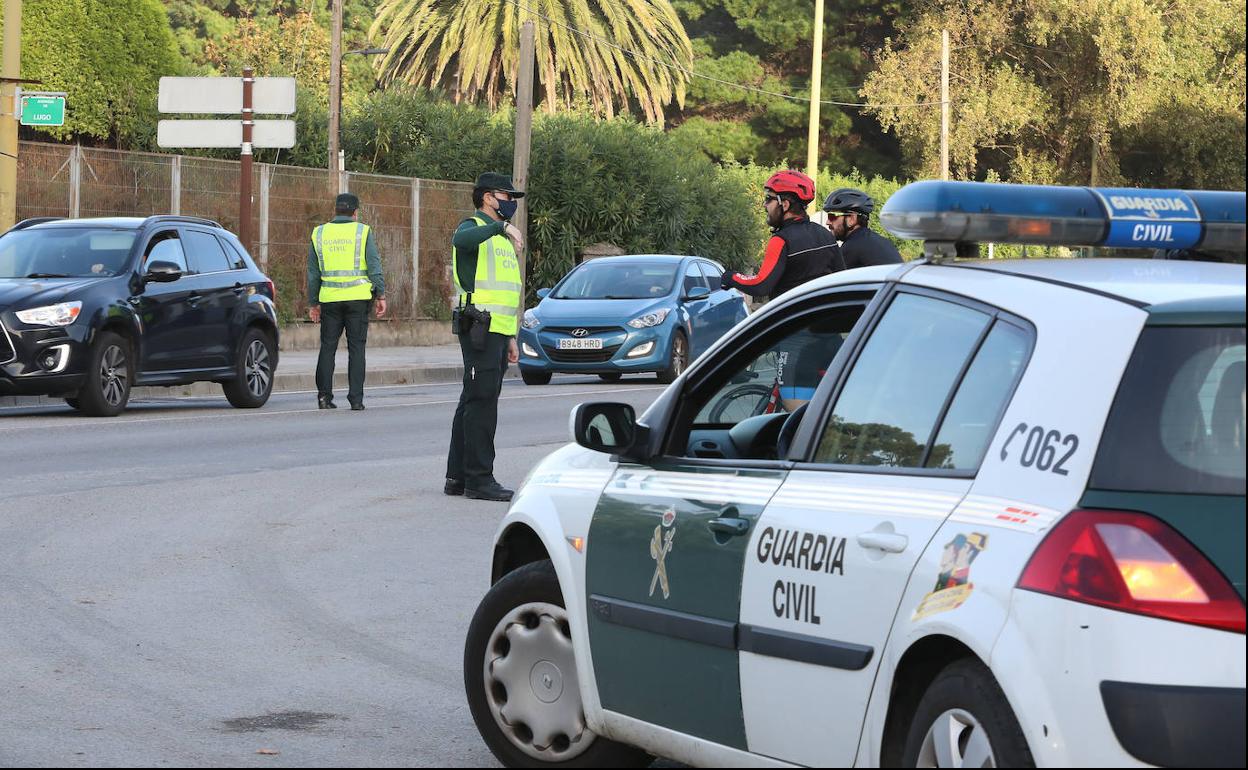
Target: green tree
{"points": [[1116, 91], [470, 49], [107, 56]]}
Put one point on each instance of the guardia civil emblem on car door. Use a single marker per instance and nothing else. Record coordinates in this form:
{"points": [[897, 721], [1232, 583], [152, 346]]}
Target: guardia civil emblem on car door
{"points": [[660, 547]]}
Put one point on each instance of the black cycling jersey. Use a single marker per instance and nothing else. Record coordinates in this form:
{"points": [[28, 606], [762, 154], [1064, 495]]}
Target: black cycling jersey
{"points": [[865, 247]]}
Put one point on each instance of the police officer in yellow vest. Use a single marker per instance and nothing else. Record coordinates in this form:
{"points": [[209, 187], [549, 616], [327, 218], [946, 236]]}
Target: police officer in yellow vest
{"points": [[487, 277], [344, 280]]}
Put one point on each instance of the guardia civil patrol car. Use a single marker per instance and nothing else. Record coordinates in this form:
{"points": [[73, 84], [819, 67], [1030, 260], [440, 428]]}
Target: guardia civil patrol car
{"points": [[1004, 527]]}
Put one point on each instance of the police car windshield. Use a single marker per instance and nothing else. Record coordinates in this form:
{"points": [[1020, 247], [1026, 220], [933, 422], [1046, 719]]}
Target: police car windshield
{"points": [[611, 279], [64, 252]]}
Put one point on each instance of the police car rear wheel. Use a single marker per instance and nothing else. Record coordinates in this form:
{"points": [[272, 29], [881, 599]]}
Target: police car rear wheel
{"points": [[964, 720], [521, 681]]}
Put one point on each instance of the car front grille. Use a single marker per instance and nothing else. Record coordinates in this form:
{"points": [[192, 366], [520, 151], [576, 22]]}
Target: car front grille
{"points": [[7, 351], [589, 330], [580, 356]]}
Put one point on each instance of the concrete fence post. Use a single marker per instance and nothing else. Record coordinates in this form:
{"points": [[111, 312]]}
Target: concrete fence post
{"points": [[75, 181], [415, 248], [265, 172], [175, 185]]}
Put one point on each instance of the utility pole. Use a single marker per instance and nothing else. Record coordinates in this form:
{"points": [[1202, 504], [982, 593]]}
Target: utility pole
{"points": [[8, 112], [524, 131], [335, 91], [944, 104], [816, 95]]}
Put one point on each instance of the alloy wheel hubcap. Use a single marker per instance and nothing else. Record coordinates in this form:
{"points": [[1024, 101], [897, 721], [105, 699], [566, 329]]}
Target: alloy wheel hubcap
{"points": [[678, 356], [256, 366], [531, 684], [956, 739], [114, 375]]}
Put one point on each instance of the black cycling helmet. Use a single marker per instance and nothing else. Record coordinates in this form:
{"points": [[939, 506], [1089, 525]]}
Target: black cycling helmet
{"points": [[848, 200]]}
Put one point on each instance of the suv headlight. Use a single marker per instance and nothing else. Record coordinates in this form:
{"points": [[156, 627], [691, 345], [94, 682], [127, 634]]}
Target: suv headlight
{"points": [[63, 314], [530, 319], [649, 319]]}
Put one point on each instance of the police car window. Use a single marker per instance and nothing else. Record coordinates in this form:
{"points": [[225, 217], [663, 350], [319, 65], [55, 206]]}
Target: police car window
{"points": [[976, 408], [784, 372], [165, 247], [205, 253], [1178, 422], [887, 411]]}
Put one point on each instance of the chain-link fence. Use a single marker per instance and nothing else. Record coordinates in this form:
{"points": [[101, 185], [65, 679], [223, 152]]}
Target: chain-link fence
{"points": [[412, 219]]}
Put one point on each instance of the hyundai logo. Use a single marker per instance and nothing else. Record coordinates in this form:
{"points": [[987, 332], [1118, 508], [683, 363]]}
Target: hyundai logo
{"points": [[580, 332]]}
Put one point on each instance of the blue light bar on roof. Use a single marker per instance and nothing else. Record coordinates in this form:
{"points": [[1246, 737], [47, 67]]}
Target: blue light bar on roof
{"points": [[978, 212]]}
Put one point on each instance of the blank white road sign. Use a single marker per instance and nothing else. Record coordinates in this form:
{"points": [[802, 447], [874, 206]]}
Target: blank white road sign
{"points": [[224, 96], [224, 133]]}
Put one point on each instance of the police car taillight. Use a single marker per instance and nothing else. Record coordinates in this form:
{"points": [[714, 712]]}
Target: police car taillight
{"points": [[1135, 563]]}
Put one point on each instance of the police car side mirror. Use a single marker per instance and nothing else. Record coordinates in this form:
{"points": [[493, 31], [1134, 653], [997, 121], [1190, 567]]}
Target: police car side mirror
{"points": [[606, 427], [542, 293], [697, 293]]}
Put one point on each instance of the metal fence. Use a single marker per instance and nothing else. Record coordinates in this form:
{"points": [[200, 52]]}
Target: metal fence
{"points": [[412, 219]]}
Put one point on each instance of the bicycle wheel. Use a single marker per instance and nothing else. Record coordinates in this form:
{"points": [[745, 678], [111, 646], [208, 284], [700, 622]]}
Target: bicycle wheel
{"points": [[739, 403]]}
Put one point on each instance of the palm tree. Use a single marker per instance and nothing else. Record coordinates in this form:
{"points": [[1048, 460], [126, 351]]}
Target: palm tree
{"points": [[605, 52]]}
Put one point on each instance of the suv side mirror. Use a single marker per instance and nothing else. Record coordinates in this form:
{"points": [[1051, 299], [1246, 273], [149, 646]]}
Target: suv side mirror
{"points": [[607, 427], [162, 272], [542, 293], [696, 293]]}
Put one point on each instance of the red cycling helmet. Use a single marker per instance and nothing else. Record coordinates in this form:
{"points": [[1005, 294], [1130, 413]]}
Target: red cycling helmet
{"points": [[794, 182]]}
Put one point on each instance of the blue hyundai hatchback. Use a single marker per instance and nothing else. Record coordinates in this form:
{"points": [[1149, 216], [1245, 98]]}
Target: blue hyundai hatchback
{"points": [[629, 314]]}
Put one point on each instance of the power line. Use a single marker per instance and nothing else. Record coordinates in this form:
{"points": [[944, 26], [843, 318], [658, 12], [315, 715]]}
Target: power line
{"points": [[700, 76]]}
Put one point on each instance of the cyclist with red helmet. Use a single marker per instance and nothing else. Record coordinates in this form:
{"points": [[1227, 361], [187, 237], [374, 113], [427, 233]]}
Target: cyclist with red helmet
{"points": [[799, 249]]}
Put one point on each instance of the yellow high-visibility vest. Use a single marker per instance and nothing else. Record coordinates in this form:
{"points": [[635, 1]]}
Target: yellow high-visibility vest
{"points": [[344, 265], [498, 283]]}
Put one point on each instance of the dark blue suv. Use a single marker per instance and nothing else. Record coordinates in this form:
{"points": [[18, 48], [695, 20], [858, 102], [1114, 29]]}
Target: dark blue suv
{"points": [[90, 308]]}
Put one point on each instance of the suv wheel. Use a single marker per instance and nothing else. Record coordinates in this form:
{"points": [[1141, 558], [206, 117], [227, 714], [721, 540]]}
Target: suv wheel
{"points": [[109, 376], [253, 371], [521, 680]]}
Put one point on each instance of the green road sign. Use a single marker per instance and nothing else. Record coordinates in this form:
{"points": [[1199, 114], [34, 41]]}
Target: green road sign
{"points": [[43, 110]]}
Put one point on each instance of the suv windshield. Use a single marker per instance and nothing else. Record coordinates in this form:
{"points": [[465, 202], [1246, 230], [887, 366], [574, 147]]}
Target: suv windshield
{"points": [[608, 279], [1177, 424], [64, 252]]}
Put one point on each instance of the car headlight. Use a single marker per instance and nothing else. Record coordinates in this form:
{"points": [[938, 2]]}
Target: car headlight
{"points": [[63, 314], [649, 319], [530, 319]]}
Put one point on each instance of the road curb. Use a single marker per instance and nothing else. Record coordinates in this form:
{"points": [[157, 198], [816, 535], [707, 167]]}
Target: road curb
{"points": [[285, 382]]}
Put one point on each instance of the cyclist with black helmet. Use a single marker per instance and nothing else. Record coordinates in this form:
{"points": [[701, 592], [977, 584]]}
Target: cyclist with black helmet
{"points": [[799, 249], [849, 212]]}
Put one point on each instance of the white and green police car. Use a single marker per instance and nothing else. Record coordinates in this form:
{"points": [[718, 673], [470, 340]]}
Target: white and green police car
{"points": [[1002, 524]]}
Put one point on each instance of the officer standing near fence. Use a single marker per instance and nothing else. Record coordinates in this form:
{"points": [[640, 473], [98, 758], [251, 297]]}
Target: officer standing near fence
{"points": [[487, 277], [344, 280]]}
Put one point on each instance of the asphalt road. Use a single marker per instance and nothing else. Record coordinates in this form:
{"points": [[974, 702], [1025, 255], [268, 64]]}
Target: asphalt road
{"points": [[193, 585]]}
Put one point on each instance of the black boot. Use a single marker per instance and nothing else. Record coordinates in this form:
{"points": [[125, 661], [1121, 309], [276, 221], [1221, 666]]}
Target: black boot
{"points": [[453, 487], [325, 402], [494, 491]]}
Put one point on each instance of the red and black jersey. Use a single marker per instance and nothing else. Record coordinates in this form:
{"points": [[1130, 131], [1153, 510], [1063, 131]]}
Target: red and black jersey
{"points": [[798, 251]]}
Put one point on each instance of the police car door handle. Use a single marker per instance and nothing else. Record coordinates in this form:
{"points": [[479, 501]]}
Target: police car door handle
{"points": [[889, 542], [726, 525]]}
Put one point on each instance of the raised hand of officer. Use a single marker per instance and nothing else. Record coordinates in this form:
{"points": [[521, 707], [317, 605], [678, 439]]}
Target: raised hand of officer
{"points": [[513, 234], [513, 352], [725, 280], [381, 307], [314, 314]]}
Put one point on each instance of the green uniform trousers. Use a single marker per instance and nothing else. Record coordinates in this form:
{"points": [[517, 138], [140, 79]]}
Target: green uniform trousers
{"points": [[471, 458], [352, 316]]}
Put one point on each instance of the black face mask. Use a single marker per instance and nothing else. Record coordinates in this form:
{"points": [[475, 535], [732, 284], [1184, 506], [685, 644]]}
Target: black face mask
{"points": [[507, 209]]}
